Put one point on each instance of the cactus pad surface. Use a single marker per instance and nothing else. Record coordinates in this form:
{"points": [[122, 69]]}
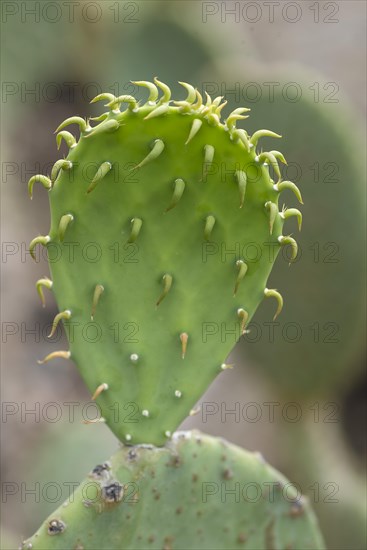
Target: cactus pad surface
{"points": [[164, 229], [196, 492]]}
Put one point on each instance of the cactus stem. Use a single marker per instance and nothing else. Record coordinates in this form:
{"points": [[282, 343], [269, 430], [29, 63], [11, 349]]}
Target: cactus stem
{"points": [[242, 269], [101, 388], [136, 224], [46, 182], [242, 181], [283, 241], [98, 291], [157, 149], [63, 225], [289, 212], [272, 293], [47, 283], [62, 315], [61, 164], [83, 125], [209, 224], [262, 133], [184, 338], [153, 90], [100, 174], [44, 240], [196, 125], [177, 193], [67, 137], [273, 211], [145, 413], [280, 186], [243, 316], [167, 283], [178, 394], [55, 355]]}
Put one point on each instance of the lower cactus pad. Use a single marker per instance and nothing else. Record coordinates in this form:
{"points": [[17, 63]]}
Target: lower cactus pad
{"points": [[196, 492]]}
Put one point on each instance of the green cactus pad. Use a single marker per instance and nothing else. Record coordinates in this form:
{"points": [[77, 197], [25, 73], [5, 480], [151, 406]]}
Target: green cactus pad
{"points": [[196, 492], [164, 229]]}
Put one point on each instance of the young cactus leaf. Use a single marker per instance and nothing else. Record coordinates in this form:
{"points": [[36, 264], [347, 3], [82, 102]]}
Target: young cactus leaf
{"points": [[209, 225], [272, 293], [136, 225], [291, 213], [44, 180], [74, 120], [293, 244], [66, 219], [98, 291], [62, 315], [60, 164], [55, 355], [45, 282], [43, 240], [242, 269], [262, 133], [196, 125], [67, 137], [291, 186]]}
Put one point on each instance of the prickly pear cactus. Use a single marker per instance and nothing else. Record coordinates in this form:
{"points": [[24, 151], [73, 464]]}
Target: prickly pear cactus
{"points": [[164, 229], [196, 492]]}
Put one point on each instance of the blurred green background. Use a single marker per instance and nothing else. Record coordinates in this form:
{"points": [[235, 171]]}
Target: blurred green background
{"points": [[298, 390]]}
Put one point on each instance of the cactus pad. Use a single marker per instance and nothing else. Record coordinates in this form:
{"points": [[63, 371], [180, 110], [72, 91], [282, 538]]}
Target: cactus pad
{"points": [[164, 229], [196, 492]]}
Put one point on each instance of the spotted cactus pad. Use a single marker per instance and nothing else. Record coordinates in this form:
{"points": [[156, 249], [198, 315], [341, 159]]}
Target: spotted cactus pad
{"points": [[162, 222], [196, 492]]}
